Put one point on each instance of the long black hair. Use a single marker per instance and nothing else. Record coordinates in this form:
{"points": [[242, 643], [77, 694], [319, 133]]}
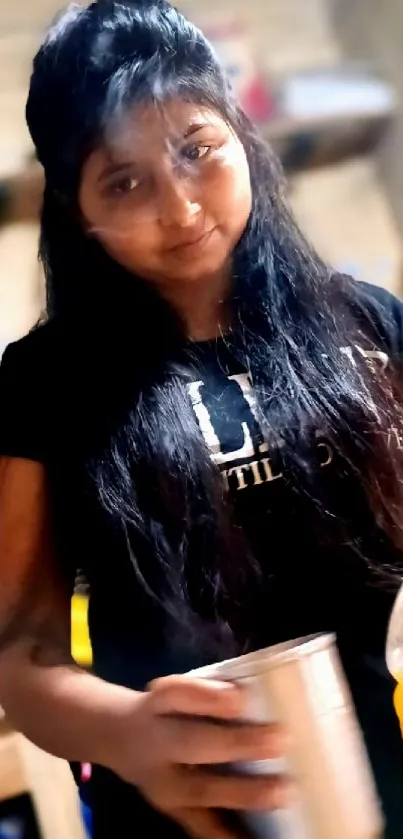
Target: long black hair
{"points": [[291, 320]]}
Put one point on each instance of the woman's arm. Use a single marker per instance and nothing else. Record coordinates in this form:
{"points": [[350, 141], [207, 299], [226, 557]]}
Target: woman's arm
{"points": [[150, 739], [45, 695]]}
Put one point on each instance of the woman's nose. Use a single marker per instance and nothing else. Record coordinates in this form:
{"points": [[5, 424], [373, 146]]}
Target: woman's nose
{"points": [[177, 202]]}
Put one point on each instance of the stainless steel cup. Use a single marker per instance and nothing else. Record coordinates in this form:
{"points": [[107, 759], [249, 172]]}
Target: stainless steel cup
{"points": [[301, 685]]}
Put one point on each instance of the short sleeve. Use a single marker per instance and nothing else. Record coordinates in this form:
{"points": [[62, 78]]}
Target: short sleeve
{"points": [[22, 409], [386, 311]]}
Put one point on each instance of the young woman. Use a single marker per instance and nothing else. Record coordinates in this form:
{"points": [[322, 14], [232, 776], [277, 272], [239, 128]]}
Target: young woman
{"points": [[209, 424]]}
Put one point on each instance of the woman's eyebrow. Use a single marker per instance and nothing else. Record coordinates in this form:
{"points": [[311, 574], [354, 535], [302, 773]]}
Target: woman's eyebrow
{"points": [[194, 128], [114, 169]]}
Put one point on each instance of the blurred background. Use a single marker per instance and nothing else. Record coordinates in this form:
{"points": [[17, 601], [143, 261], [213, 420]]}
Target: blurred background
{"points": [[324, 80]]}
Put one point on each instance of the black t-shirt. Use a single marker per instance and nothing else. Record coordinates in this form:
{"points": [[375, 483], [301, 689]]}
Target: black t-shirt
{"points": [[305, 588]]}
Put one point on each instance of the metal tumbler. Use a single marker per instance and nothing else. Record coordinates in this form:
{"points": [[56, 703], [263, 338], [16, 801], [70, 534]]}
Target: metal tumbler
{"points": [[301, 685]]}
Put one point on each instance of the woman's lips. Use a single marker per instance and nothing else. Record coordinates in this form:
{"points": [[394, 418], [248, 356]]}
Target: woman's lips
{"points": [[187, 246]]}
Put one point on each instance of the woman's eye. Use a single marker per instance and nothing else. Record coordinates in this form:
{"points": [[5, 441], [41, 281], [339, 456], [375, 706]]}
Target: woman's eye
{"points": [[195, 152], [124, 185]]}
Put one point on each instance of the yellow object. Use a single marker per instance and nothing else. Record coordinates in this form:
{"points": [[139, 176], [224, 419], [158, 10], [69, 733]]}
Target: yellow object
{"points": [[80, 638], [394, 653], [398, 700]]}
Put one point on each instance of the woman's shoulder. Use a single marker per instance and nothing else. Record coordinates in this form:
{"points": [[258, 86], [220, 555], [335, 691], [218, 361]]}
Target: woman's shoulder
{"points": [[38, 346], [26, 395], [384, 311], [390, 303]]}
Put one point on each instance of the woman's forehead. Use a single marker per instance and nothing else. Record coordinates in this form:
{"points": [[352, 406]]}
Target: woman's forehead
{"points": [[155, 127]]}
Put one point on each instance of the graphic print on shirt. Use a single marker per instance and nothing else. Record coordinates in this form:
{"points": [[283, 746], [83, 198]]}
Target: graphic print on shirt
{"points": [[226, 411]]}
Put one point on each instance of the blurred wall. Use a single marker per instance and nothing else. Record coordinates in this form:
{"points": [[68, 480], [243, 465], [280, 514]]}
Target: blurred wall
{"points": [[285, 34], [373, 29]]}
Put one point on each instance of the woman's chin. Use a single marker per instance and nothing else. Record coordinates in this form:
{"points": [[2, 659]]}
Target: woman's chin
{"points": [[199, 270]]}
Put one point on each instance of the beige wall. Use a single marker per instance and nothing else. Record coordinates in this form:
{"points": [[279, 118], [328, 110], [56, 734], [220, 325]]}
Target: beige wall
{"points": [[285, 33], [25, 15], [374, 29], [344, 212]]}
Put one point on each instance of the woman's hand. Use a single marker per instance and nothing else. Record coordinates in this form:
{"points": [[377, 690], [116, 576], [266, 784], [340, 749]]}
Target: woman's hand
{"points": [[171, 747]]}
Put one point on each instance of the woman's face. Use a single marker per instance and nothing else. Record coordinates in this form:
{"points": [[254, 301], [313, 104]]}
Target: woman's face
{"points": [[170, 196]]}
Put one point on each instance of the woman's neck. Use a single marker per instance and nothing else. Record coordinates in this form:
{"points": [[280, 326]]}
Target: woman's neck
{"points": [[202, 306]]}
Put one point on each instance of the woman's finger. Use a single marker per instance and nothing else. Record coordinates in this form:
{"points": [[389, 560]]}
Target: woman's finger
{"points": [[198, 697], [203, 789], [193, 742]]}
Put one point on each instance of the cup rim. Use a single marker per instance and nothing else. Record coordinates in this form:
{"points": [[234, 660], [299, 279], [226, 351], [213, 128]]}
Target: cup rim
{"points": [[252, 664]]}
